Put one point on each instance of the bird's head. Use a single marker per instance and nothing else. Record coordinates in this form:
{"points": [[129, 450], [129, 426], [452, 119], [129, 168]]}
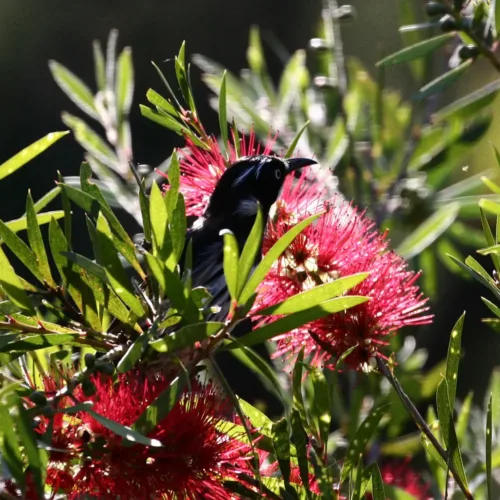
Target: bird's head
{"points": [[250, 180]]}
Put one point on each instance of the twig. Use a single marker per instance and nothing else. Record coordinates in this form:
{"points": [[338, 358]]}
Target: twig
{"points": [[422, 424]]}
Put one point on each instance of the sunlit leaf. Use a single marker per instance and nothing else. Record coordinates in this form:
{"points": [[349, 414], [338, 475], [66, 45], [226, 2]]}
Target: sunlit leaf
{"points": [[417, 50], [28, 153]]}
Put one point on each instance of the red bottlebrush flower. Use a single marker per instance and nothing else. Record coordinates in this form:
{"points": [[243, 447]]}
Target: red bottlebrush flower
{"points": [[340, 243], [194, 459], [401, 475], [202, 168]]}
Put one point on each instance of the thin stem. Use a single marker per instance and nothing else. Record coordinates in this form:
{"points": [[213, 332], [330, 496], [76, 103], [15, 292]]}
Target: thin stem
{"points": [[422, 424]]}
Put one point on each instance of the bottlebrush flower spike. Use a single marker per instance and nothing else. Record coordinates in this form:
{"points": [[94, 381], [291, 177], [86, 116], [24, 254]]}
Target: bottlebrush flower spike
{"points": [[195, 457], [202, 168], [341, 242], [401, 475]]}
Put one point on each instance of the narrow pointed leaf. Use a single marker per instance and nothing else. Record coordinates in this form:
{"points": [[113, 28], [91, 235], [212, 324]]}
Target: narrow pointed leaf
{"points": [[36, 242], [88, 265], [300, 440], [20, 250], [295, 320], [453, 359], [272, 255], [321, 403], [298, 399], [28, 153], [161, 406], [428, 232], [20, 224], [417, 50], [42, 341], [444, 81], [159, 222], [315, 296], [11, 285], [378, 492], [250, 250], [281, 445], [109, 260], [124, 83], [74, 88], [91, 141], [99, 65], [296, 139], [358, 444], [230, 262], [223, 112], [126, 432], [448, 430]]}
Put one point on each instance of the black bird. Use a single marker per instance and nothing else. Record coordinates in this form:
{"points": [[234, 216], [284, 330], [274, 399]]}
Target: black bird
{"points": [[234, 205]]}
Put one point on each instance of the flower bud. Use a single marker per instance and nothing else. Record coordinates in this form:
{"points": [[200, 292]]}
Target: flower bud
{"points": [[89, 360], [88, 388], [448, 23]]}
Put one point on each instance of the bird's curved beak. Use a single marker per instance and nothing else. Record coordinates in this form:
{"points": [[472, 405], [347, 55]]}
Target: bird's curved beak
{"points": [[293, 164]]}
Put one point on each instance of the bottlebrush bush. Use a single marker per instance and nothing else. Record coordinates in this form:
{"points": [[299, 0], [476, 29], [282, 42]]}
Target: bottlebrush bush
{"points": [[110, 387]]}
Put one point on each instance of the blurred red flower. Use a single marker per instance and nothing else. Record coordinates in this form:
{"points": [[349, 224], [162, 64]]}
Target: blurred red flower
{"points": [[194, 458]]}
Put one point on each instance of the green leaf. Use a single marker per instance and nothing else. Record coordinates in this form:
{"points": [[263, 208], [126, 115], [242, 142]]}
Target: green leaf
{"points": [[448, 430], [108, 258], [91, 141], [272, 255], [121, 239], [417, 50], [293, 144], [489, 206], [453, 359], [36, 242], [11, 285], [124, 83], [378, 492], [20, 250], [358, 444], [289, 323], [47, 198], [10, 448], [88, 265], [186, 336], [300, 440], [28, 153], [99, 66], [463, 418], [165, 121], [161, 406], [74, 88], [174, 178], [250, 250], [182, 77], [315, 296], [443, 82], [223, 112], [425, 234], [489, 438], [321, 403], [159, 223], [35, 342], [281, 445], [298, 399], [230, 262], [467, 107], [28, 440], [78, 290], [126, 432], [160, 102], [177, 228], [490, 240]]}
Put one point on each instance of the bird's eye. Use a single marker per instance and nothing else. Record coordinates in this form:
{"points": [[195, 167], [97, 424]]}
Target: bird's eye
{"points": [[277, 173]]}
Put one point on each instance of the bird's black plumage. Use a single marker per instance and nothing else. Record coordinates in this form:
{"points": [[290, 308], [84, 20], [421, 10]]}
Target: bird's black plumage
{"points": [[233, 205]]}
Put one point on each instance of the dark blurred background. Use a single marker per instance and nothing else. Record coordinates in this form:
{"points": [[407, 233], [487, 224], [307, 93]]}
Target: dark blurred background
{"points": [[32, 33]]}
